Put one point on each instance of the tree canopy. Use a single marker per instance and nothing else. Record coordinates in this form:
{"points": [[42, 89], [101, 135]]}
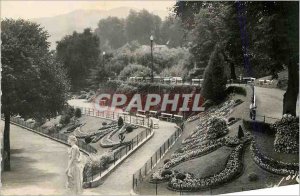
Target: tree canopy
{"points": [[79, 53], [34, 83]]}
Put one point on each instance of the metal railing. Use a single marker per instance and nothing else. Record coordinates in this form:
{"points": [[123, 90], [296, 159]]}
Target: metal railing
{"points": [[128, 147], [135, 120], [139, 175], [63, 138], [265, 119]]}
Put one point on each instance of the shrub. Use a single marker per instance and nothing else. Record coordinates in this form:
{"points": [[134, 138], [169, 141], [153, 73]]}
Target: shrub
{"points": [[214, 83], [65, 119], [88, 140], [231, 119], [253, 177], [241, 132], [77, 113], [217, 128], [208, 103], [166, 172], [237, 90], [180, 176], [166, 161], [120, 122], [104, 123], [129, 129]]}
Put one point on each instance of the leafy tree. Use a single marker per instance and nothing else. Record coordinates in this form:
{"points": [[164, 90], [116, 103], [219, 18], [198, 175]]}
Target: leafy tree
{"points": [[172, 33], [33, 82], [214, 84], [132, 70], [140, 25], [111, 30], [79, 53]]}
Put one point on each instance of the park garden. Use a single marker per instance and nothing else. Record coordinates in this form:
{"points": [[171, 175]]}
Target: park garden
{"points": [[236, 51]]}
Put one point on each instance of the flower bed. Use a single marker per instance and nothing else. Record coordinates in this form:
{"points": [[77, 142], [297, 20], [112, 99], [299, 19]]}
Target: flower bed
{"points": [[232, 169], [271, 165], [191, 155], [287, 134]]}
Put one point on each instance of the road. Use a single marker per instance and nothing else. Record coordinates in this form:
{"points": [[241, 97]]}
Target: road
{"points": [[269, 102], [37, 165]]}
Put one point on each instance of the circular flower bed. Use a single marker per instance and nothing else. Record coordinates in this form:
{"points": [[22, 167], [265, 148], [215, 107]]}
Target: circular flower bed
{"points": [[271, 165], [287, 134], [232, 169]]}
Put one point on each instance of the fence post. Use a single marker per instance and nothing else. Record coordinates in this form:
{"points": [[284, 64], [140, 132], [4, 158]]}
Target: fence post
{"points": [[133, 181], [155, 157], [146, 169], [264, 118], [151, 163], [160, 152], [137, 139]]}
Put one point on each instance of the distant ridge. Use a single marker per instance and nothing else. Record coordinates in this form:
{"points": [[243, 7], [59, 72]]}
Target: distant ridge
{"points": [[77, 20]]}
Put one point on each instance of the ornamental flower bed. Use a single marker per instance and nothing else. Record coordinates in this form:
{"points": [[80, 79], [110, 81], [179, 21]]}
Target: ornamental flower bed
{"points": [[191, 155], [217, 128], [271, 165], [232, 169], [287, 134], [159, 176]]}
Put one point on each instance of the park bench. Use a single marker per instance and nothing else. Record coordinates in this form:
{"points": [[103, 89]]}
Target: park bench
{"points": [[165, 116]]}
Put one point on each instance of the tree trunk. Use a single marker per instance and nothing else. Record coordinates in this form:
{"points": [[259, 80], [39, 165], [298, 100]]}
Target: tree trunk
{"points": [[291, 94], [6, 148]]}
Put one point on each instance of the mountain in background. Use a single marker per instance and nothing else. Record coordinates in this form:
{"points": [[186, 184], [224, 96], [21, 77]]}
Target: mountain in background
{"points": [[66, 24]]}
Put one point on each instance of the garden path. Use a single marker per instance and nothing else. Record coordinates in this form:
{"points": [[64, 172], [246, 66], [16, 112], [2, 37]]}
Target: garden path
{"points": [[37, 165], [119, 182], [269, 102]]}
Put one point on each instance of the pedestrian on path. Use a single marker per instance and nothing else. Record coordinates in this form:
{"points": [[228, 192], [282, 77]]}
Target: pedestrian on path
{"points": [[252, 111]]}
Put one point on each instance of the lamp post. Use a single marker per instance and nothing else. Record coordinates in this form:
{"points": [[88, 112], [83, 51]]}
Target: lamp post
{"points": [[103, 60], [151, 41]]}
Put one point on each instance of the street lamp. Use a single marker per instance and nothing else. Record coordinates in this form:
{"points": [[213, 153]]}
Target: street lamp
{"points": [[151, 41]]}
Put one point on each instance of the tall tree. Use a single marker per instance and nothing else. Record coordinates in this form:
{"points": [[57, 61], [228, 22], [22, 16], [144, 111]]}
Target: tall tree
{"points": [[214, 83], [33, 82], [79, 53], [111, 31], [140, 25], [172, 32]]}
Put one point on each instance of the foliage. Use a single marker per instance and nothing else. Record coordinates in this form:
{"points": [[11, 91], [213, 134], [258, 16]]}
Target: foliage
{"points": [[133, 70], [77, 113], [180, 176], [34, 83], [240, 132], [140, 25], [217, 127], [129, 129], [111, 32], [79, 53], [166, 172], [104, 123], [237, 90], [287, 134], [214, 83], [166, 161], [271, 165], [172, 33]]}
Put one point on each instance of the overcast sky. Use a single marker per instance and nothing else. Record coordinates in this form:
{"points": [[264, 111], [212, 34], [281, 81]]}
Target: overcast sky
{"points": [[36, 9]]}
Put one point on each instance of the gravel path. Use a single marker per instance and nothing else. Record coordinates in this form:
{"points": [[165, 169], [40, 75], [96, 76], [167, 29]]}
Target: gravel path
{"points": [[37, 165], [269, 103]]}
